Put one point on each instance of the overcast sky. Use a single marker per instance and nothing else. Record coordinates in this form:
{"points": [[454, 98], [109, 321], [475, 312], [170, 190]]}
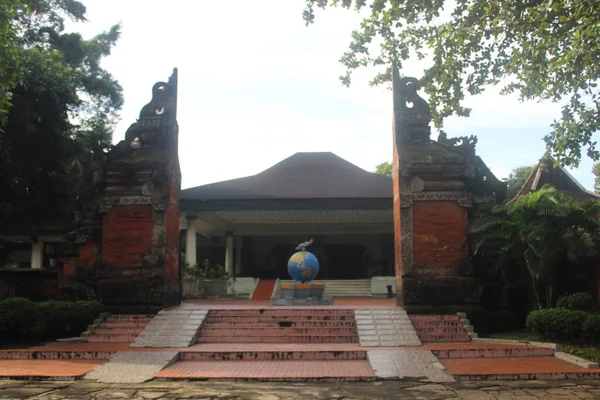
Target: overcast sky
{"points": [[256, 86]]}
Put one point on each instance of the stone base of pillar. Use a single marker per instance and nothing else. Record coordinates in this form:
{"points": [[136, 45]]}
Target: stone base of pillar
{"points": [[436, 294]]}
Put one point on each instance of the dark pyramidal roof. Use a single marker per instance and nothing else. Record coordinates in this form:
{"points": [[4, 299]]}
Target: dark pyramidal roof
{"points": [[301, 176], [546, 173]]}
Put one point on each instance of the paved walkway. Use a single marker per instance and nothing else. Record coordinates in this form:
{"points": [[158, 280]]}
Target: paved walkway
{"points": [[87, 390]]}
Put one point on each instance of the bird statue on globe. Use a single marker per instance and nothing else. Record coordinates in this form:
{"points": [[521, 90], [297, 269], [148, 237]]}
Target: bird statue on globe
{"points": [[303, 266]]}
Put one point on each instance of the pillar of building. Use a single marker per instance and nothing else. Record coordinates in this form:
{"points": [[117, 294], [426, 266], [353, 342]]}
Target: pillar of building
{"points": [[229, 253], [190, 242], [238, 256], [37, 254]]}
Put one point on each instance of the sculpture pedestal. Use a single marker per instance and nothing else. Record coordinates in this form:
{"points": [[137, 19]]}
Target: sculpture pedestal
{"points": [[302, 294]]}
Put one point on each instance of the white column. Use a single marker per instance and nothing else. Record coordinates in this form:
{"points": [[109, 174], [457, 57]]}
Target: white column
{"points": [[238, 256], [190, 242], [229, 254], [37, 254]]}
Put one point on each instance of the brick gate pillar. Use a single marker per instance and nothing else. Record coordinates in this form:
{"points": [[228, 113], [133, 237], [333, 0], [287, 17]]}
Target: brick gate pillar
{"points": [[128, 210], [432, 206]]}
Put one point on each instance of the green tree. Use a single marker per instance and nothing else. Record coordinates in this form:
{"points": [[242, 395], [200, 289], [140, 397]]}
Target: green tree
{"points": [[539, 49], [62, 110], [385, 168], [596, 172], [543, 233], [516, 179]]}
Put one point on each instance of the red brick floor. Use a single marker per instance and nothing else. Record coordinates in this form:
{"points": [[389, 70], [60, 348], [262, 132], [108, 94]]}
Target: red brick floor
{"points": [[269, 370], [512, 368], [56, 369]]}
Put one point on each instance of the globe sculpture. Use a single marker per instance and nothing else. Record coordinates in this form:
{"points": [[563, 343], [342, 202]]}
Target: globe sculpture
{"points": [[303, 266]]}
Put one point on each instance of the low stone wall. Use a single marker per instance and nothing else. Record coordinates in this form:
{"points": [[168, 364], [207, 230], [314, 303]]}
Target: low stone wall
{"points": [[379, 285], [237, 287]]}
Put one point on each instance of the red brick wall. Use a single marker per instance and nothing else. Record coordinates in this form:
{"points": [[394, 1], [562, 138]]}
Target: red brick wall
{"points": [[127, 235], [86, 254], [440, 230]]}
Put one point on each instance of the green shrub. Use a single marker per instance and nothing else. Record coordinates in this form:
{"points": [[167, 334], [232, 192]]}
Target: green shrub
{"points": [[591, 327], [20, 319], [557, 323], [24, 319], [576, 301]]}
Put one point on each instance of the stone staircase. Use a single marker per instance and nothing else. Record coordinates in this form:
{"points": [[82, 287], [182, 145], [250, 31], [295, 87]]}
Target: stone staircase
{"points": [[441, 328], [119, 328], [344, 288], [279, 326]]}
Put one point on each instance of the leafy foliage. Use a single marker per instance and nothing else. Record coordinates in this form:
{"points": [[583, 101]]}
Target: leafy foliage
{"points": [[24, 319], [596, 172], [557, 323], [63, 107], [542, 233], [516, 179], [541, 50], [385, 168], [576, 301], [565, 324], [207, 270]]}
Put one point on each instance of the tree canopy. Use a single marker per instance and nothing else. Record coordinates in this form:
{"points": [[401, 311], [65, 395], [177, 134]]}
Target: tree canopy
{"points": [[538, 49], [60, 107], [516, 179], [385, 168]]}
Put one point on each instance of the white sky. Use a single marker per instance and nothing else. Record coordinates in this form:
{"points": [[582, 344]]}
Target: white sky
{"points": [[256, 85]]}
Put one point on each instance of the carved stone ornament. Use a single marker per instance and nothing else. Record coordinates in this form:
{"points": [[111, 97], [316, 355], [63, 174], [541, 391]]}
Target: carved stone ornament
{"points": [[417, 184], [108, 202], [462, 198], [406, 230]]}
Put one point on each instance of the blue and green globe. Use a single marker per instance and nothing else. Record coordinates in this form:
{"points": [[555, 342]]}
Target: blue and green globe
{"points": [[303, 266]]}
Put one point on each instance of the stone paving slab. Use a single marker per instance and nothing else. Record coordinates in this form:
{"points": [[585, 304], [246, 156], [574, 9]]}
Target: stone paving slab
{"points": [[221, 390], [133, 367], [172, 328], [419, 365], [385, 328]]}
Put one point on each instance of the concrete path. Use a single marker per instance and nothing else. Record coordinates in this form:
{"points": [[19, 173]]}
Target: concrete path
{"points": [[171, 328], [214, 390], [417, 365], [385, 328], [133, 367]]}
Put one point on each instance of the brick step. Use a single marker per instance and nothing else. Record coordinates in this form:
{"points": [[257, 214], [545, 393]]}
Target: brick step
{"points": [[55, 355], [124, 324], [122, 338], [445, 338], [209, 330], [520, 368], [272, 355], [129, 317], [439, 330], [250, 319], [442, 323], [278, 339], [520, 351], [275, 324], [433, 317], [102, 330], [283, 313]]}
